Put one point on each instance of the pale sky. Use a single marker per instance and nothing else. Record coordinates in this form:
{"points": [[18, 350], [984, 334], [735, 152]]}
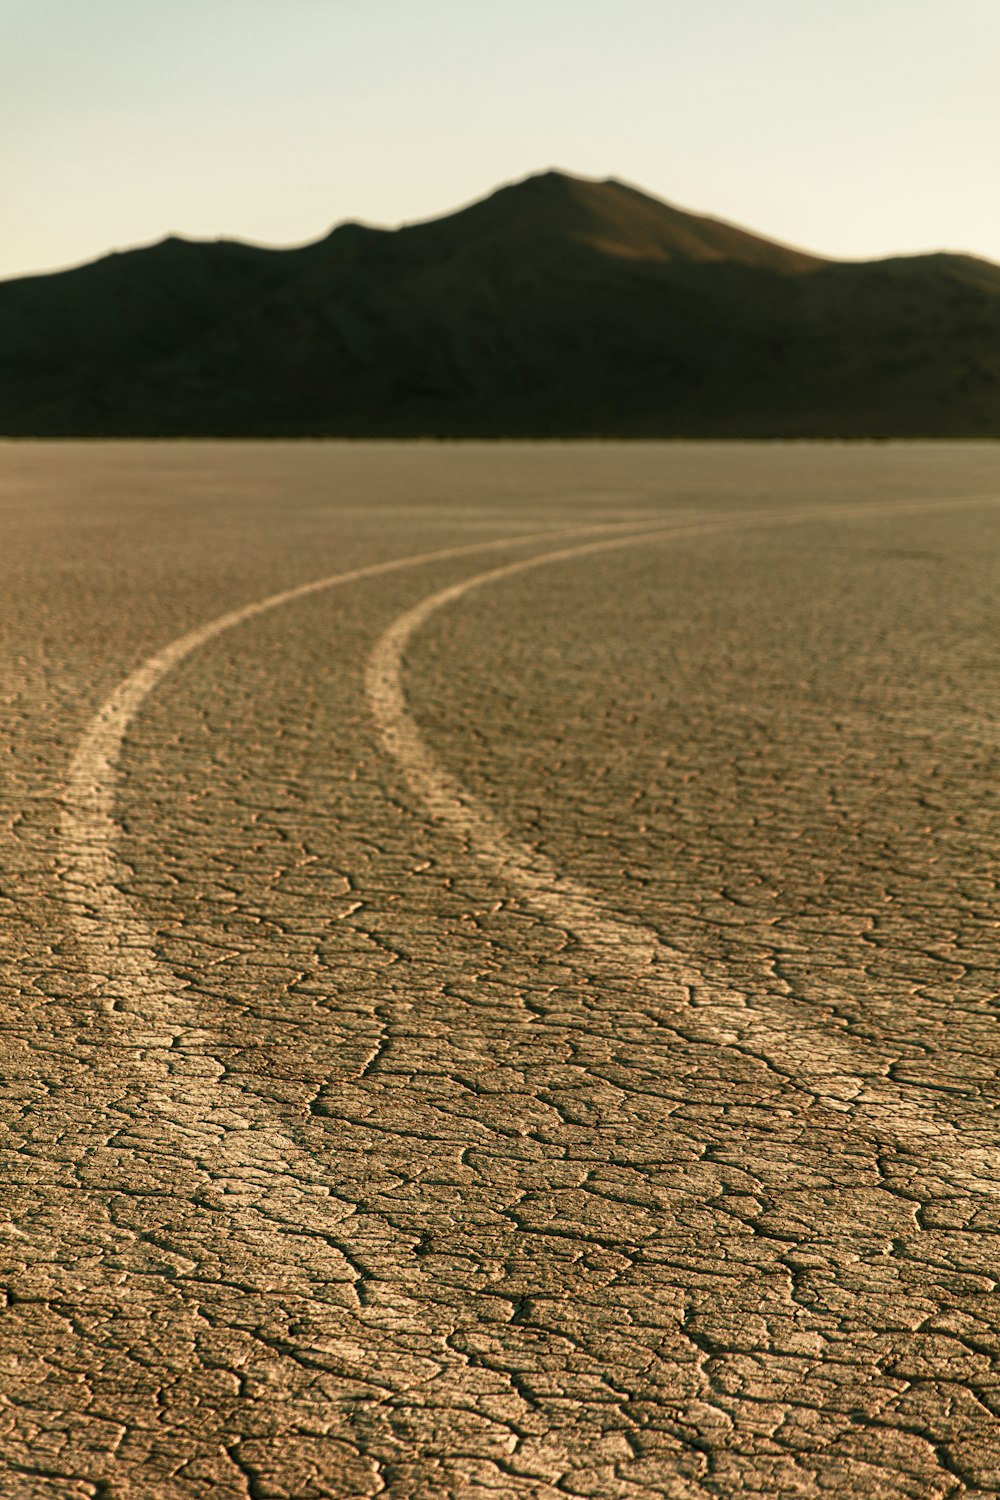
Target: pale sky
{"points": [[852, 127]]}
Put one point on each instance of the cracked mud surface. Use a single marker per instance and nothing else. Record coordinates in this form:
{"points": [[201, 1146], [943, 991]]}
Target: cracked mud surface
{"points": [[576, 1077]]}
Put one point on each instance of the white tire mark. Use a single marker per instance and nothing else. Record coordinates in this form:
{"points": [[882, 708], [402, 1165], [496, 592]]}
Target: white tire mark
{"points": [[832, 1071], [117, 945], [282, 1222]]}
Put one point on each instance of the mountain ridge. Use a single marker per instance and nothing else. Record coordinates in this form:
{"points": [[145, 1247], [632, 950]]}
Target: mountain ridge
{"points": [[555, 306]]}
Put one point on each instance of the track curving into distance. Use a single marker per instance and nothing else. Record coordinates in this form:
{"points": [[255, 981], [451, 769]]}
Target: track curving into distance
{"points": [[833, 1071], [160, 1028], [283, 1221]]}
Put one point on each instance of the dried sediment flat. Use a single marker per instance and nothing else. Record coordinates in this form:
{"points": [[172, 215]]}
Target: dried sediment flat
{"points": [[500, 971]]}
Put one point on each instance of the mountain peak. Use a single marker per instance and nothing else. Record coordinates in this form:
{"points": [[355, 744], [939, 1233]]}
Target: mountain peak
{"points": [[614, 218]]}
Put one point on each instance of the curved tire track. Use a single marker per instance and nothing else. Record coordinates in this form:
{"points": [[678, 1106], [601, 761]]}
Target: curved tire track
{"points": [[287, 1234], [835, 1073]]}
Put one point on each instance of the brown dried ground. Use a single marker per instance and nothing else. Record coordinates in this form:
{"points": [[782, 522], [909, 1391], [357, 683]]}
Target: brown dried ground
{"points": [[575, 1078]]}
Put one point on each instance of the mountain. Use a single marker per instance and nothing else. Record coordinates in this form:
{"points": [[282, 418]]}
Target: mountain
{"points": [[557, 306]]}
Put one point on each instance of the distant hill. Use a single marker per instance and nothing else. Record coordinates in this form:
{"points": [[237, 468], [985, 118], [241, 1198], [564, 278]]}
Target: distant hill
{"points": [[555, 307]]}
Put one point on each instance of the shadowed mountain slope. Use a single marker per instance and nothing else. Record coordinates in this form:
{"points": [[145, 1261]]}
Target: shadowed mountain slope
{"points": [[556, 306]]}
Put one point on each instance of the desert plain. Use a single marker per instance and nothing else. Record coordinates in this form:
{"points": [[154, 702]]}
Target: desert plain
{"points": [[518, 1018]]}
